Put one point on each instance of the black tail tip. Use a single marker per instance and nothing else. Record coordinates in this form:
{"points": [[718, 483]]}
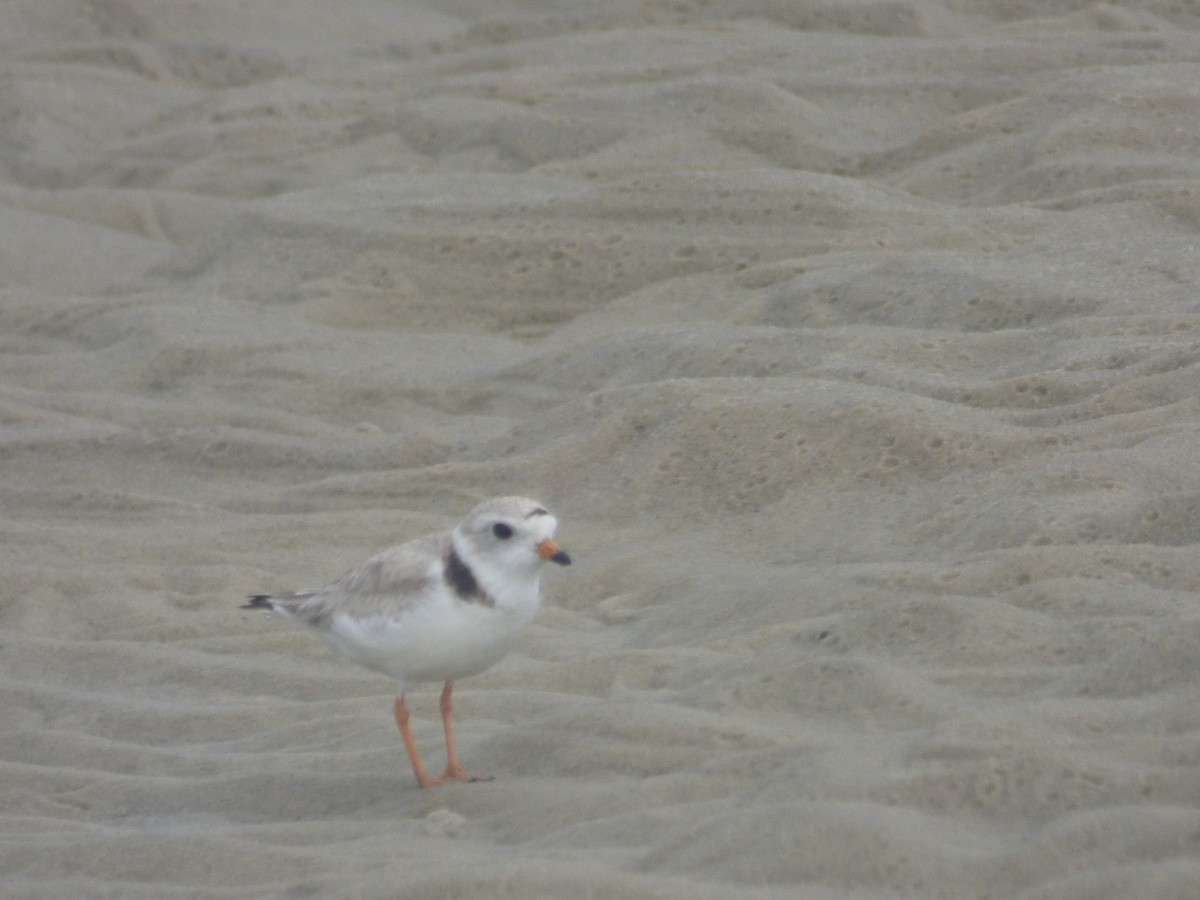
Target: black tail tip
{"points": [[257, 601]]}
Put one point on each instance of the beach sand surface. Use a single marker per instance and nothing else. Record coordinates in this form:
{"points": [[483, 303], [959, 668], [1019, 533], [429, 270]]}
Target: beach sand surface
{"points": [[855, 344]]}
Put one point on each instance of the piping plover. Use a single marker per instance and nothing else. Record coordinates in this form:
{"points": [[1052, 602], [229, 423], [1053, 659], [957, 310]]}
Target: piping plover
{"points": [[438, 608]]}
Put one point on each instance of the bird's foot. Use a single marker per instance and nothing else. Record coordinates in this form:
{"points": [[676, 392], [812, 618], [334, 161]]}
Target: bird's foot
{"points": [[452, 774], [455, 772]]}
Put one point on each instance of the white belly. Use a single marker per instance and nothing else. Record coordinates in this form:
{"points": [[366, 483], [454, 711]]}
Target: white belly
{"points": [[442, 640]]}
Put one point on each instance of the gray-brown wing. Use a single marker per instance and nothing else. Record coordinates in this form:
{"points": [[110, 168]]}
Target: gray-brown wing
{"points": [[385, 583]]}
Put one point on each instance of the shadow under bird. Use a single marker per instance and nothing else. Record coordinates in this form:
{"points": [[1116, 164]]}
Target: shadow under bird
{"points": [[438, 608]]}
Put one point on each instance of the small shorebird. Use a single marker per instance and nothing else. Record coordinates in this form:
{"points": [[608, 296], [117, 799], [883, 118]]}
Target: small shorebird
{"points": [[437, 608]]}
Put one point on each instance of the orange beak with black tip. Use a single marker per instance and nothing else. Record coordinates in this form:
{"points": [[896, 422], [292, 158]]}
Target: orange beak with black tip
{"points": [[549, 551]]}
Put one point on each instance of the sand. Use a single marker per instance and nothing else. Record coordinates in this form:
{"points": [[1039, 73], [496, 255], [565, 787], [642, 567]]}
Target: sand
{"points": [[855, 343]]}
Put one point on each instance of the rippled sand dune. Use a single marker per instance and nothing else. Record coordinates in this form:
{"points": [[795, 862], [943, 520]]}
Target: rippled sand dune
{"points": [[855, 343]]}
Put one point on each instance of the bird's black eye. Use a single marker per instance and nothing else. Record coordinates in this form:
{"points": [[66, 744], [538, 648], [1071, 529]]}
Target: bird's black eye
{"points": [[502, 531]]}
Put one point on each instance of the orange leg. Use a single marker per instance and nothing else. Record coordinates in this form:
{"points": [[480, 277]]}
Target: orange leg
{"points": [[401, 712], [454, 770]]}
